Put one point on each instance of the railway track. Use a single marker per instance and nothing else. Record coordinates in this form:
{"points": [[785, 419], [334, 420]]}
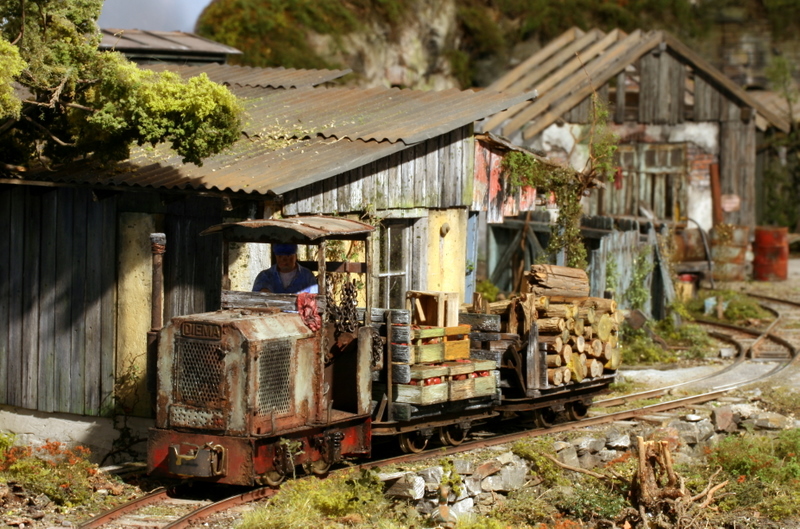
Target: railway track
{"points": [[752, 345]]}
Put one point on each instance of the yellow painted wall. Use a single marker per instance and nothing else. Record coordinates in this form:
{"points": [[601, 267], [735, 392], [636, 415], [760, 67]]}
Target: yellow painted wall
{"points": [[447, 250], [134, 288]]}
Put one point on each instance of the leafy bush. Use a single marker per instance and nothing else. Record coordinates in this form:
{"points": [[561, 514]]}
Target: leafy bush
{"points": [[591, 499], [354, 499], [63, 474]]}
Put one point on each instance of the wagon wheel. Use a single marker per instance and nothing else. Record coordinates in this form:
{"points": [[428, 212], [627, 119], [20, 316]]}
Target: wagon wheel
{"points": [[544, 417], [320, 467], [452, 434], [412, 442], [577, 410], [274, 478]]}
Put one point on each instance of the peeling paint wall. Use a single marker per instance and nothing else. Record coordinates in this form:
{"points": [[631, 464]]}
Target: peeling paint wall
{"points": [[447, 250], [134, 289], [245, 262]]}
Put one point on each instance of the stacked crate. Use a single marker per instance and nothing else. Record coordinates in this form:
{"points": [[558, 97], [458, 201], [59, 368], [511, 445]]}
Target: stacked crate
{"points": [[431, 363]]}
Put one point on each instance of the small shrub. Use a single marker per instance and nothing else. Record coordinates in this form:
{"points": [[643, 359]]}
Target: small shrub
{"points": [[354, 499], [532, 450], [63, 474], [590, 500]]}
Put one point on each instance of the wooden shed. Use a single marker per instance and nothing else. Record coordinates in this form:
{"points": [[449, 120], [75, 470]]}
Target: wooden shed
{"points": [[75, 254], [680, 123]]}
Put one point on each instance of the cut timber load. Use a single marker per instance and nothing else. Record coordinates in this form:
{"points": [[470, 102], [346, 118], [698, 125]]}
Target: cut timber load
{"points": [[559, 283]]}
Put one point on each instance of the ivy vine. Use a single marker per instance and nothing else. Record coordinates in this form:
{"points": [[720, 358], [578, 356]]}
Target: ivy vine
{"points": [[525, 169]]}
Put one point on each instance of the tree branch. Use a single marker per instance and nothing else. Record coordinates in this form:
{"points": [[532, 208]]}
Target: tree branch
{"points": [[22, 26], [577, 469], [53, 136]]}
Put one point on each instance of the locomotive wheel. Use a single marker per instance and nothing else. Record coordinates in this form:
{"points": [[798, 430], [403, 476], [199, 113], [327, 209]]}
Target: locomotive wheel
{"points": [[577, 411], [544, 417], [273, 478], [412, 442], [319, 467], [452, 435]]}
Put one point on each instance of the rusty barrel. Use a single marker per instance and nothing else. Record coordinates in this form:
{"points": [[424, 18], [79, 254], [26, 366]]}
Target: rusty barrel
{"points": [[729, 250], [771, 253]]}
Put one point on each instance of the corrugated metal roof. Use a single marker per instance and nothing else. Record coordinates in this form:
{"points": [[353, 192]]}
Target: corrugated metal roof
{"points": [[573, 62], [333, 130], [137, 40], [258, 77], [299, 230]]}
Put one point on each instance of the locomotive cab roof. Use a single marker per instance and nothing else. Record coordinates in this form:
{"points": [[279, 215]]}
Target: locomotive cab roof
{"points": [[296, 230]]}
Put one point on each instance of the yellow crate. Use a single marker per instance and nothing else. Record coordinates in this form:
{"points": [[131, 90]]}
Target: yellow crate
{"points": [[456, 349]]}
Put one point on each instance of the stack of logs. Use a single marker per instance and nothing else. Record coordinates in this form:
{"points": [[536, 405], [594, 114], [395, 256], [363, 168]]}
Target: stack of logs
{"points": [[579, 334]]}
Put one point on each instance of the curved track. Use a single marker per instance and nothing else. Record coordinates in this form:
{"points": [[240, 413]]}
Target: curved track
{"points": [[751, 345]]}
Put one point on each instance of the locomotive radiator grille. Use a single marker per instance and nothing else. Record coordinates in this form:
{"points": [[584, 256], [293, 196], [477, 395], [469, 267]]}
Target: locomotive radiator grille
{"points": [[199, 373], [274, 366]]}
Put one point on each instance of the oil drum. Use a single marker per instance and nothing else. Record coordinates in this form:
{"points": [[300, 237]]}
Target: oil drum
{"points": [[771, 253]]}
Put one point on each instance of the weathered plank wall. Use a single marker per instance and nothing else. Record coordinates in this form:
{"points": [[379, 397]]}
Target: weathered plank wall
{"points": [[492, 192], [436, 173], [192, 264], [737, 163], [57, 300]]}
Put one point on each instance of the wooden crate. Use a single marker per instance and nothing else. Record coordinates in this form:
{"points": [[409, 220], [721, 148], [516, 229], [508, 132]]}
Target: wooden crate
{"points": [[484, 365], [484, 386], [433, 308], [456, 342], [459, 368], [405, 373], [421, 394], [462, 389]]}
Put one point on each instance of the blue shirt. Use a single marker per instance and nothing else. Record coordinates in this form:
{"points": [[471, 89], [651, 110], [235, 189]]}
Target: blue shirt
{"points": [[270, 279]]}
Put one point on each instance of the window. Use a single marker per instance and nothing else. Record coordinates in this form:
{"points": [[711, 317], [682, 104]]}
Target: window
{"points": [[651, 175], [395, 254]]}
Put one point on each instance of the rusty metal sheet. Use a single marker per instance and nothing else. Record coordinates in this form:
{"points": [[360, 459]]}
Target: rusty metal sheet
{"points": [[299, 230], [123, 40], [229, 74], [326, 132]]}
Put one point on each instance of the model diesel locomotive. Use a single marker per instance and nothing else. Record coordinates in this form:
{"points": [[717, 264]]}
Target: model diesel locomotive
{"points": [[274, 381]]}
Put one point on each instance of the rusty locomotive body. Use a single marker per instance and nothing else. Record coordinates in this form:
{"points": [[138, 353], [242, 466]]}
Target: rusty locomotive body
{"points": [[270, 381]]}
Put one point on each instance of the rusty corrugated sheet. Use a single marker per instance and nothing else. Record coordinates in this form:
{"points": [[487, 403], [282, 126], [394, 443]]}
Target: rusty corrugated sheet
{"points": [[257, 77], [302, 230], [332, 131], [137, 40]]}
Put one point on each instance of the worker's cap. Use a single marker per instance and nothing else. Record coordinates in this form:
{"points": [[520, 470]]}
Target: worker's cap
{"points": [[285, 249]]}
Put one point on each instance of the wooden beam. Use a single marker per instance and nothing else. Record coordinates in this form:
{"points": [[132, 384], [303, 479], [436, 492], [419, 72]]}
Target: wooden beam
{"points": [[582, 78], [541, 55], [604, 70]]}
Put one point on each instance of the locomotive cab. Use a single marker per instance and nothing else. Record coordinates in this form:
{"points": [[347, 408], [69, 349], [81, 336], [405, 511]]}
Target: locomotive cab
{"points": [[269, 381]]}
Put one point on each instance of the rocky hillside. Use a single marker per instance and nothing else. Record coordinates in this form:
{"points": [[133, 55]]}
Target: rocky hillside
{"points": [[436, 44]]}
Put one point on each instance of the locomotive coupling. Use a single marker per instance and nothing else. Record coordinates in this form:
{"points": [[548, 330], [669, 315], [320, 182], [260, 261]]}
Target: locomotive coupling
{"points": [[193, 461]]}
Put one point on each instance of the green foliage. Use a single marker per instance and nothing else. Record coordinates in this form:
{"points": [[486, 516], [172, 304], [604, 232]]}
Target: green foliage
{"points": [[274, 33], [532, 450], [691, 337], [612, 275], [781, 399], [591, 499], [353, 498], [83, 101], [638, 347], [638, 292], [451, 478], [487, 289], [740, 308], [63, 474], [525, 170], [525, 507], [11, 65]]}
